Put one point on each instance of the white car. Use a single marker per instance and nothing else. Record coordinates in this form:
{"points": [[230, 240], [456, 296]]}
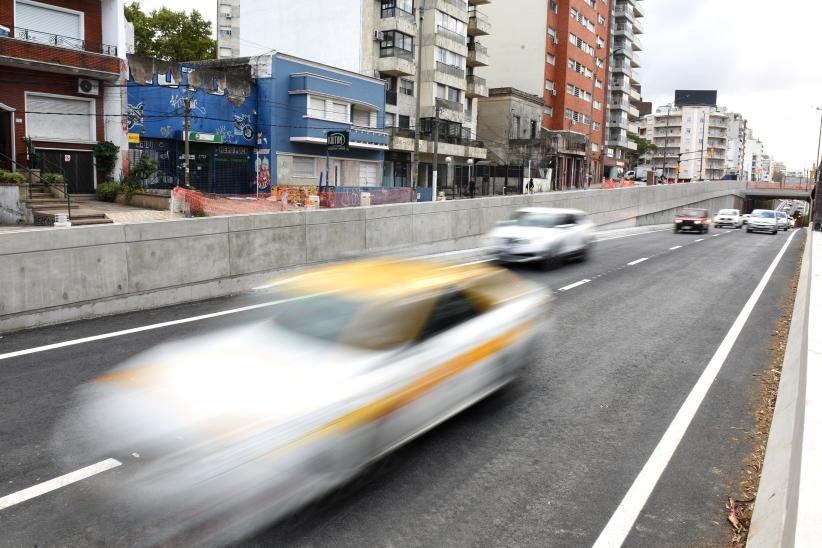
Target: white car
{"points": [[763, 220], [745, 218], [542, 235], [782, 220], [229, 431], [728, 217]]}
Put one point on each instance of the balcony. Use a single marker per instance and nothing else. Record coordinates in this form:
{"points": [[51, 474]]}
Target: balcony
{"points": [[61, 54], [633, 112], [450, 70], [635, 95], [455, 106], [451, 35], [622, 142], [387, 13], [478, 24], [390, 97], [477, 87], [314, 133], [477, 55], [478, 2], [639, 11], [396, 62]]}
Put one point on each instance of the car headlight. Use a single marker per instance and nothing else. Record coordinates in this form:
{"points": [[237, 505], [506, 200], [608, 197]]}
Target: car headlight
{"points": [[678, 221], [697, 222]]}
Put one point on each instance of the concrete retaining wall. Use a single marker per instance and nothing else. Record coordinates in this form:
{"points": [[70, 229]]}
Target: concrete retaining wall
{"points": [[12, 208], [58, 275], [146, 201]]}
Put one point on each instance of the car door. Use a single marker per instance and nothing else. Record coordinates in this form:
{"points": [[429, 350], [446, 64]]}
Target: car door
{"points": [[437, 373]]}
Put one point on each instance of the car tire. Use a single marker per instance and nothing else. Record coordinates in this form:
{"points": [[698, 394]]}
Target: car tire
{"points": [[774, 232], [749, 231], [584, 253]]}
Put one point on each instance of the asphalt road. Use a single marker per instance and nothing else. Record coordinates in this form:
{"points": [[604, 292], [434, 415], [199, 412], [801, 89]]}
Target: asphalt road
{"points": [[545, 462]]}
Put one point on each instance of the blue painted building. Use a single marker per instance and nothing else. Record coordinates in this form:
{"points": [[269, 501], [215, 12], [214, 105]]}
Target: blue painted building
{"points": [[223, 134], [299, 102]]}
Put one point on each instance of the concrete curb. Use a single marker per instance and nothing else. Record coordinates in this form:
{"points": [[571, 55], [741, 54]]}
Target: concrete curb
{"points": [[774, 518]]}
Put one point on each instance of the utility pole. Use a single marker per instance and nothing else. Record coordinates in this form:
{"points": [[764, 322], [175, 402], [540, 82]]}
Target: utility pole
{"points": [[665, 144], [702, 154], [415, 155], [186, 128], [436, 151]]}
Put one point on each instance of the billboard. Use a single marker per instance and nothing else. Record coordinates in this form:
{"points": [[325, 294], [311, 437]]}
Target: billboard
{"points": [[695, 97]]}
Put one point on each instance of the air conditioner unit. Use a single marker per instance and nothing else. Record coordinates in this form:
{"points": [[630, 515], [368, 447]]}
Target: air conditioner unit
{"points": [[554, 92], [88, 87], [378, 35]]}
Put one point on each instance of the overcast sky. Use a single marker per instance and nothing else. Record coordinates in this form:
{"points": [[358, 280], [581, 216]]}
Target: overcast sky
{"points": [[762, 57]]}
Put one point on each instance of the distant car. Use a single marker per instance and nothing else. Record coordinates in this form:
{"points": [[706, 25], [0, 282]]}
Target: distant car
{"points": [[728, 217], [763, 220], [792, 222], [782, 220], [692, 218], [745, 218], [541, 235]]}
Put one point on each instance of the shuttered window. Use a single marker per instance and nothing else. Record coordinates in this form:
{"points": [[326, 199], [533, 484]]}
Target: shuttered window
{"points": [[60, 118], [303, 167], [368, 174], [44, 19], [362, 118]]}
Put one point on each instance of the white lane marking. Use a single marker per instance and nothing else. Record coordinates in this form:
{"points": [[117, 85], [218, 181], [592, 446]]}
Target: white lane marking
{"points": [[57, 483], [573, 285], [632, 235], [642, 260], [717, 235], [481, 261], [676, 247], [150, 327], [623, 519], [700, 240]]}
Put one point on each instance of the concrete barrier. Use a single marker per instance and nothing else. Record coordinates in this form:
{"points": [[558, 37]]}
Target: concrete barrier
{"points": [[51, 276], [781, 516]]}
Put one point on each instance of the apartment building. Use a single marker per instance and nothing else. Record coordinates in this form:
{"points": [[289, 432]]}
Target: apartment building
{"points": [[62, 67], [735, 155], [691, 136], [228, 28], [624, 92], [558, 49], [428, 52]]}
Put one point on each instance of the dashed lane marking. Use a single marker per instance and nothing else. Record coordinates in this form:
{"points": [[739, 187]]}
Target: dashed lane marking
{"points": [[573, 285], [642, 260]]}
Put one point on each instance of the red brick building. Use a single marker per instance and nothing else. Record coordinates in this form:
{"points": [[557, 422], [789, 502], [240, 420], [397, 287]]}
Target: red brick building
{"points": [[558, 49], [61, 64]]}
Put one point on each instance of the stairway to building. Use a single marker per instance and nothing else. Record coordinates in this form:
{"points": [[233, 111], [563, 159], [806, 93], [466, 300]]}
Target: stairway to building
{"points": [[45, 205]]}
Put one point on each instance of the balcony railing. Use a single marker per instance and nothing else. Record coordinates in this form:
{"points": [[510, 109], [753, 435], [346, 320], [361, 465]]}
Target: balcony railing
{"points": [[396, 12], [451, 35], [402, 53], [457, 3], [450, 70], [479, 48], [450, 105], [59, 41], [478, 23]]}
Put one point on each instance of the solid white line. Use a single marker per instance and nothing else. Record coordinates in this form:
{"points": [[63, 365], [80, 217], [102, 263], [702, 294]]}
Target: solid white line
{"points": [[623, 519], [642, 260], [717, 235], [113, 334], [57, 483], [573, 285], [700, 240], [676, 247]]}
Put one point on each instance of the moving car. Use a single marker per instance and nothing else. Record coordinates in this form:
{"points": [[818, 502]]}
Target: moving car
{"points": [[234, 429], [541, 234], [728, 217], [745, 218], [763, 220], [782, 220], [692, 218]]}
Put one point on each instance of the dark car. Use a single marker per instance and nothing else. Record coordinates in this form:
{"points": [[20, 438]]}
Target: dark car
{"points": [[692, 218]]}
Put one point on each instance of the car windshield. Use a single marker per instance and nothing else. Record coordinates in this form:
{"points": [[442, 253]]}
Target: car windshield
{"points": [[544, 220], [693, 212], [729, 212], [763, 214]]}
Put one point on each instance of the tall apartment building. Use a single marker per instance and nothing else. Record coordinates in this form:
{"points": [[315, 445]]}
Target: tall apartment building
{"points": [[624, 92], [737, 139], [429, 56], [691, 135], [228, 28], [557, 49]]}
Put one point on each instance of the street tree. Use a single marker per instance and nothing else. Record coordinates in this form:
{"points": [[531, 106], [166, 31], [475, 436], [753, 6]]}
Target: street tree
{"points": [[171, 35], [643, 147], [778, 176]]}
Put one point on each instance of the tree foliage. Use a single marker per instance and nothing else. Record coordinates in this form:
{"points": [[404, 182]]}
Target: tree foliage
{"points": [[643, 147], [171, 35], [778, 176]]}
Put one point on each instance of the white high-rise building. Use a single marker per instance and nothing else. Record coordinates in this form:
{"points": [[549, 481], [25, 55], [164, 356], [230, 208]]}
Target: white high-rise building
{"points": [[734, 158], [228, 28], [384, 40], [623, 83]]}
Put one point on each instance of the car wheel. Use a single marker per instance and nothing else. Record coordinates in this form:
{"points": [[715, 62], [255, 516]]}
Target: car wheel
{"points": [[749, 231], [774, 232], [584, 253]]}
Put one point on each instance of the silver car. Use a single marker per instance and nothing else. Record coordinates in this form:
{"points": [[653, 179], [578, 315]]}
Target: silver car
{"points": [[542, 235], [223, 433], [782, 220], [728, 217]]}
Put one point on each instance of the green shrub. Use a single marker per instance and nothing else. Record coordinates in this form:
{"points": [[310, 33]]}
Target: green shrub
{"points": [[106, 154], [107, 192], [52, 179], [199, 213], [13, 178]]}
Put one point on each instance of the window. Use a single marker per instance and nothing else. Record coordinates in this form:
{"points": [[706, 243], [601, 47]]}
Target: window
{"points": [[578, 92], [516, 127], [40, 124], [550, 58], [40, 18], [533, 129], [406, 87], [225, 31], [389, 119], [361, 118], [225, 10], [450, 23], [597, 105], [580, 68], [548, 111], [404, 5], [581, 44], [601, 19], [598, 84], [326, 109], [368, 174], [450, 311], [395, 43], [302, 167], [600, 42], [549, 84], [552, 32], [587, 23], [554, 7], [600, 62], [596, 126], [448, 93], [226, 52], [450, 58], [403, 121]]}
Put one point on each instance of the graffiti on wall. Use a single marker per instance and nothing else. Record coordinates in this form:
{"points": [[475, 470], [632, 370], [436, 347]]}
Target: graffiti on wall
{"points": [[134, 115]]}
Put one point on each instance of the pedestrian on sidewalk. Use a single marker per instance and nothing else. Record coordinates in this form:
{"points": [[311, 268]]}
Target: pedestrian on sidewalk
{"points": [[472, 187], [531, 186]]}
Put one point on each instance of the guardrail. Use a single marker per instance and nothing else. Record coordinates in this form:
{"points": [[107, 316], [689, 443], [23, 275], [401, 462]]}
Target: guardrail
{"points": [[766, 185]]}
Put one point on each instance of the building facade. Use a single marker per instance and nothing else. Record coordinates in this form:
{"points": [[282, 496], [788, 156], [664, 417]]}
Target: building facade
{"points": [[558, 50], [255, 123], [429, 58], [228, 28], [62, 63], [624, 92], [737, 139]]}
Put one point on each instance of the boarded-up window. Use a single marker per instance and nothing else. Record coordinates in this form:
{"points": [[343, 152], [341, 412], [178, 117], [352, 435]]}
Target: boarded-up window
{"points": [[60, 118]]}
